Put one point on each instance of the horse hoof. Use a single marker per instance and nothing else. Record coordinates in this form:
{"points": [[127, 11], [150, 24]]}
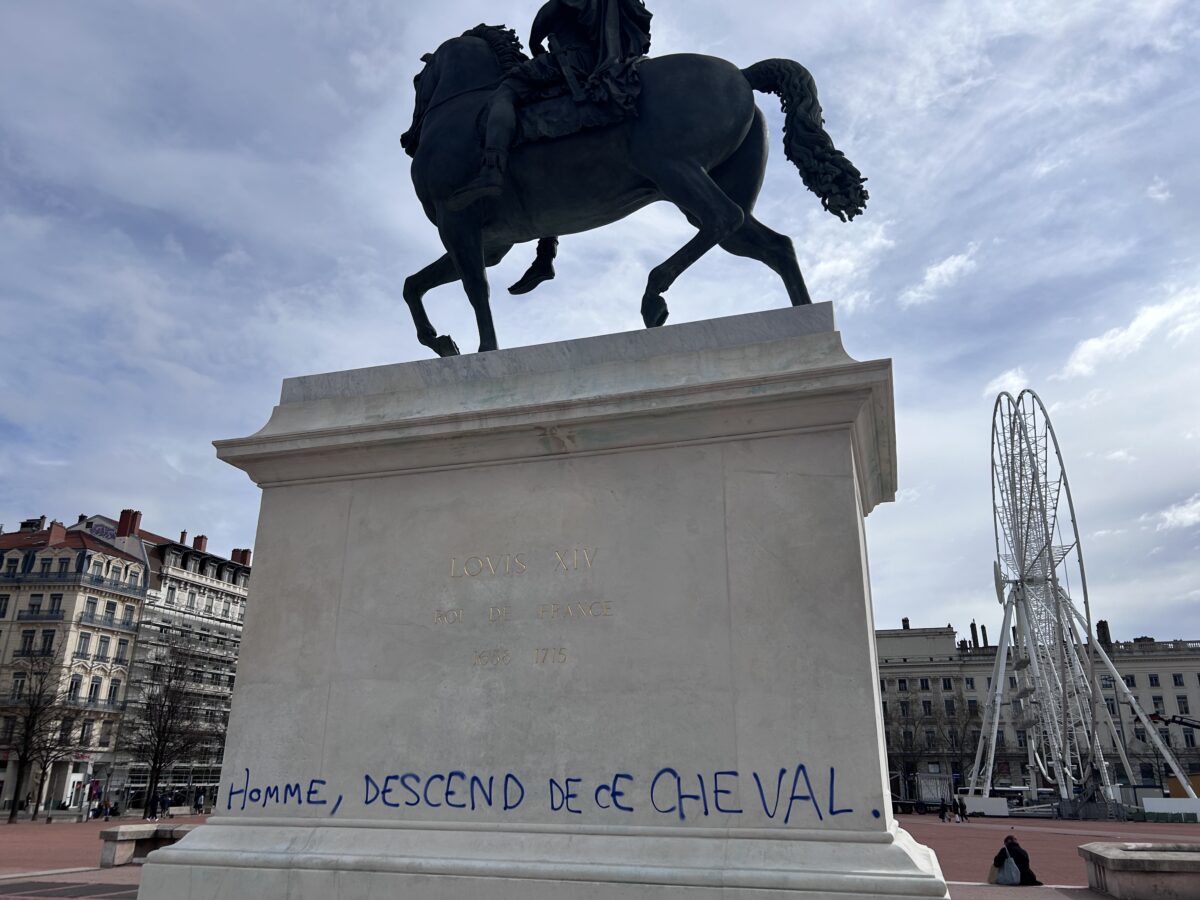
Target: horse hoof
{"points": [[654, 310], [443, 345]]}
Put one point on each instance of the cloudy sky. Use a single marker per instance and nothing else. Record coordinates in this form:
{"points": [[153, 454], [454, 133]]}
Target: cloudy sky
{"points": [[198, 199]]}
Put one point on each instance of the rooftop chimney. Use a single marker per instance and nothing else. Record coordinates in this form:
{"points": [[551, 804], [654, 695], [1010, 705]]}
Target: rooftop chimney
{"points": [[82, 518], [904, 623], [200, 542], [974, 635], [246, 557], [57, 534], [983, 631], [131, 521], [1103, 635], [34, 524], [183, 538], [241, 557]]}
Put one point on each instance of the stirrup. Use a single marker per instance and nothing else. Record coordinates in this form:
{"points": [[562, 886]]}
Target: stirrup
{"points": [[488, 183]]}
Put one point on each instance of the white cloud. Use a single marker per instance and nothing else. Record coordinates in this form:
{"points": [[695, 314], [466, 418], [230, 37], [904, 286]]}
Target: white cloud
{"points": [[1158, 190], [940, 276], [1177, 316], [1184, 514], [1011, 380], [1122, 456]]}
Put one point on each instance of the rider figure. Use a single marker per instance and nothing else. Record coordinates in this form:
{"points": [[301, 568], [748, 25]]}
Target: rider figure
{"points": [[591, 44]]}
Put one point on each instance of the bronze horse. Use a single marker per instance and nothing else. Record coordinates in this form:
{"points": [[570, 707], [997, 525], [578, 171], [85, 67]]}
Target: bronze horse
{"points": [[697, 140]]}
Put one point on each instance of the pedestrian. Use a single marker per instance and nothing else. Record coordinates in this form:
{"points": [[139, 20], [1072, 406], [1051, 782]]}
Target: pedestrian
{"points": [[164, 805], [962, 809], [199, 804], [106, 808], [1016, 853], [152, 808], [942, 810]]}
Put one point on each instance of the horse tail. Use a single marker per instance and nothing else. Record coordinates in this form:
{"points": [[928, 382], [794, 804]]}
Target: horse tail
{"points": [[823, 168]]}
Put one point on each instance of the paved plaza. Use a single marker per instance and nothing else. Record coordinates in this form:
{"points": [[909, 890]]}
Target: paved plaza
{"points": [[61, 860]]}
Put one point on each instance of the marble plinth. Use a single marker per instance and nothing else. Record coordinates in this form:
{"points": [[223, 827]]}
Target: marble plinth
{"points": [[587, 619]]}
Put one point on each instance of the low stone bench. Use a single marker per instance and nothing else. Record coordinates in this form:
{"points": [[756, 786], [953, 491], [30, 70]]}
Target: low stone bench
{"points": [[1134, 871], [126, 844]]}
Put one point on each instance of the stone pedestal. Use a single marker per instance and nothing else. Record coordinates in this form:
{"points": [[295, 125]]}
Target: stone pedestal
{"points": [[588, 619]]}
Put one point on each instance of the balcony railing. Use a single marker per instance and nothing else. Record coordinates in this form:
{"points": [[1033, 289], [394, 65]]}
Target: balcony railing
{"points": [[86, 579], [106, 621], [25, 652], [40, 615], [81, 654], [96, 703]]}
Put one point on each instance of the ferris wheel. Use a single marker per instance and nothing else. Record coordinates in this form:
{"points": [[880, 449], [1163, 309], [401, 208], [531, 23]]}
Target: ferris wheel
{"points": [[1052, 690]]}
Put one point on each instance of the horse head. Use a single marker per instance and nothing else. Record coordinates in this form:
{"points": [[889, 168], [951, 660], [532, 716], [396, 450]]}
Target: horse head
{"points": [[476, 60]]}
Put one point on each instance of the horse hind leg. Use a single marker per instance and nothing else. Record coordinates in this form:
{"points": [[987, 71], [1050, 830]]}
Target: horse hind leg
{"points": [[755, 240], [716, 216]]}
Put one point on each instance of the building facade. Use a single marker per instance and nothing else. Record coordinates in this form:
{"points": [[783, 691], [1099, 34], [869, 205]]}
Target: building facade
{"points": [[934, 689], [103, 600], [71, 601]]}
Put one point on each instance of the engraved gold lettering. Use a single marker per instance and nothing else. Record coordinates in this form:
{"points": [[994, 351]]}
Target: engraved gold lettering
{"points": [[478, 566], [562, 563], [447, 616], [543, 655], [518, 564], [453, 566], [570, 560], [588, 556], [498, 613]]}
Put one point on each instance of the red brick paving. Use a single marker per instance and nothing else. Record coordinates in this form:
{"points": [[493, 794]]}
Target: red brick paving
{"points": [[965, 851]]}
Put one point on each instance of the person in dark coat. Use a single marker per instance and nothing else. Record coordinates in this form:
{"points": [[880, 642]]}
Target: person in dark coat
{"points": [[1020, 857], [152, 808], [942, 810]]}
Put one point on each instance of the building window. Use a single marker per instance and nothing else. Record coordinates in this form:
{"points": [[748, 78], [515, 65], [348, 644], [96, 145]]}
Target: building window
{"points": [[949, 702], [64, 731], [1189, 737], [225, 609], [1012, 682], [102, 648], [110, 611], [45, 569], [1153, 680], [8, 732], [927, 707], [35, 603], [114, 691], [171, 595], [952, 734], [1181, 701], [1017, 707], [904, 709], [947, 684], [972, 706], [208, 604], [3, 605], [1165, 735], [1130, 681], [1177, 679], [56, 602], [969, 681], [1000, 737], [27, 643], [191, 601], [1159, 706], [105, 733], [47, 643], [122, 651], [1139, 733], [83, 645], [18, 686], [74, 687], [1147, 772], [1106, 682], [63, 565], [935, 768], [902, 684], [924, 684], [930, 739], [94, 689], [85, 732], [89, 607], [883, 706], [128, 617], [10, 567], [1112, 706]]}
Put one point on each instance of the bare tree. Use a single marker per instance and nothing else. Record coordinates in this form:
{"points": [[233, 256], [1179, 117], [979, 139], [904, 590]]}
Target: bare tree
{"points": [[37, 704], [165, 723]]}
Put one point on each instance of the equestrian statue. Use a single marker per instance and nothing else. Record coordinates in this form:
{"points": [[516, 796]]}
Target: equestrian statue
{"points": [[509, 148]]}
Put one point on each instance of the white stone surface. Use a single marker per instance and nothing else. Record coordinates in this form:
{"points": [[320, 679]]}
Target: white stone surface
{"points": [[635, 560]]}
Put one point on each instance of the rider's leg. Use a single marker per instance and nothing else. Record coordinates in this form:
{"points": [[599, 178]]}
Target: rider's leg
{"points": [[541, 269], [498, 137]]}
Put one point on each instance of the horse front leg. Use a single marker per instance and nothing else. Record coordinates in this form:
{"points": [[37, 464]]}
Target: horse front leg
{"points": [[437, 273], [716, 216], [463, 241]]}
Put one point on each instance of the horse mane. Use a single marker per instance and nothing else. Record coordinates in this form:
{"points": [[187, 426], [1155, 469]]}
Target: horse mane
{"points": [[503, 42]]}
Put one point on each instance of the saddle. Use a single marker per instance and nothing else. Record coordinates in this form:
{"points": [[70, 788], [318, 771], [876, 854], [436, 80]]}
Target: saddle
{"points": [[608, 98]]}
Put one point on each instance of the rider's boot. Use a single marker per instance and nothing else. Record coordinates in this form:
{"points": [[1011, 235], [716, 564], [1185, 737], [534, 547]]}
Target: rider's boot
{"points": [[541, 269], [488, 183]]}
